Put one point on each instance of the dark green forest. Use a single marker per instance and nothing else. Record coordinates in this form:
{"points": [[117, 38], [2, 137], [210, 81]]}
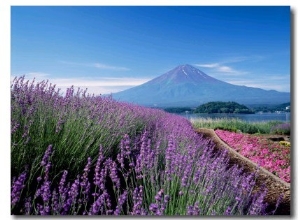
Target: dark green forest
{"points": [[229, 107], [223, 107]]}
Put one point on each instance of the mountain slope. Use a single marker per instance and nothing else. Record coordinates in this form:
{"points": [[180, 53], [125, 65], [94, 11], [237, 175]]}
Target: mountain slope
{"points": [[186, 85]]}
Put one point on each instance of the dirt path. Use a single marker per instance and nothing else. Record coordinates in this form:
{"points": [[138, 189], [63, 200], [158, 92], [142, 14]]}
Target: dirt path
{"points": [[275, 185]]}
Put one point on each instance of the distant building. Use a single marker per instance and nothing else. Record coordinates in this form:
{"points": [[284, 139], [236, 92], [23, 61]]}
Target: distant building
{"points": [[287, 108]]}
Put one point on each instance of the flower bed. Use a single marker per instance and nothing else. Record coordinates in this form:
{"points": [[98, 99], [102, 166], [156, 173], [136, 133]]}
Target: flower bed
{"points": [[106, 157], [270, 155]]}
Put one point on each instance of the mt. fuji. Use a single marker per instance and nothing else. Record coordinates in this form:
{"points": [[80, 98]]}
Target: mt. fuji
{"points": [[187, 86]]}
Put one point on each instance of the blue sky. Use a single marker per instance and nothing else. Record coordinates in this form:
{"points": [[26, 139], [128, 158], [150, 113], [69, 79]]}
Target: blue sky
{"points": [[108, 49]]}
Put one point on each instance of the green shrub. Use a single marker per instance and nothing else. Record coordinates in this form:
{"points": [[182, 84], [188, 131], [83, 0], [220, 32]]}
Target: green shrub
{"points": [[233, 124], [283, 128]]}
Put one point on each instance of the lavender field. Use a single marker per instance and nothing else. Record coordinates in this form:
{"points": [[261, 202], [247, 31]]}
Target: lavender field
{"points": [[80, 154]]}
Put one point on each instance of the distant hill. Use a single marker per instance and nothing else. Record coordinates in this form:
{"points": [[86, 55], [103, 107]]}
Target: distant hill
{"points": [[223, 107], [187, 86], [284, 107]]}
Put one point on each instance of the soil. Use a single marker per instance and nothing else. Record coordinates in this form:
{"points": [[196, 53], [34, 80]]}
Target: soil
{"points": [[275, 185]]}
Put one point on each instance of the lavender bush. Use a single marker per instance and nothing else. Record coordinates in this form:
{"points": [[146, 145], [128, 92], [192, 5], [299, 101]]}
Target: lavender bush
{"points": [[283, 128], [149, 162], [135, 184]]}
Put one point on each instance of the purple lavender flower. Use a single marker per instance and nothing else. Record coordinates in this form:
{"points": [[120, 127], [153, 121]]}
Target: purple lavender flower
{"points": [[166, 198], [14, 127], [159, 207], [107, 200], [45, 191], [46, 155], [186, 174], [170, 158], [228, 211], [163, 204], [121, 201], [17, 188], [97, 205], [248, 182], [159, 195], [189, 210], [55, 202], [47, 171], [69, 92], [39, 179], [27, 206], [37, 193], [39, 209], [112, 166], [238, 199], [137, 200], [236, 173], [45, 210], [61, 187], [97, 176], [153, 207], [125, 150], [139, 168], [209, 188], [73, 192], [103, 174], [145, 158], [258, 206], [72, 196], [85, 184]]}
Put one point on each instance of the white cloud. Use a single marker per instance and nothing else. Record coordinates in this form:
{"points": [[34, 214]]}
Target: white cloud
{"points": [[97, 65], [226, 69], [208, 65], [222, 71], [105, 81], [230, 75], [281, 87], [278, 78], [218, 67], [98, 85]]}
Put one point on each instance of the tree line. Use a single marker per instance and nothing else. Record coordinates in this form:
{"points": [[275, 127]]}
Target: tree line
{"points": [[223, 107], [228, 107]]}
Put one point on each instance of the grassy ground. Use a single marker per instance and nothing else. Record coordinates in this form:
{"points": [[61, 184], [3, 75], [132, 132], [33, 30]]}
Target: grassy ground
{"points": [[267, 127]]}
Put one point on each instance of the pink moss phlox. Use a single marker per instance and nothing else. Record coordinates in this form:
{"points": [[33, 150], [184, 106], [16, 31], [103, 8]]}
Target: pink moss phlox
{"points": [[271, 156]]}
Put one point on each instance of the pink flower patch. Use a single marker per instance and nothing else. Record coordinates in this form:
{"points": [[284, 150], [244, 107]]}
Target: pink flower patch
{"points": [[267, 154]]}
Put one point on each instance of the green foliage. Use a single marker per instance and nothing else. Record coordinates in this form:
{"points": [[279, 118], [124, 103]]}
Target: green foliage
{"points": [[271, 108], [60, 122], [232, 124], [223, 107]]}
